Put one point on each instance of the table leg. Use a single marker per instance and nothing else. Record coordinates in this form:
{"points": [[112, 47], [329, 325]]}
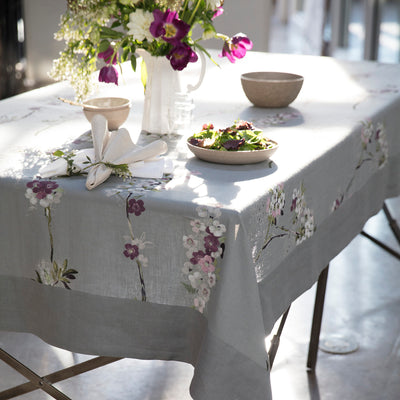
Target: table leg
{"points": [[45, 383], [276, 339], [317, 320]]}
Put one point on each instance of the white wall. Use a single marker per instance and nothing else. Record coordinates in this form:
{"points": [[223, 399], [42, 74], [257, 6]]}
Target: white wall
{"points": [[41, 19], [251, 17]]}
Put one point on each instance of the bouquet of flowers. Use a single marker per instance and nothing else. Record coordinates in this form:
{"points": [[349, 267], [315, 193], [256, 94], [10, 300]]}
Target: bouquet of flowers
{"points": [[112, 30]]}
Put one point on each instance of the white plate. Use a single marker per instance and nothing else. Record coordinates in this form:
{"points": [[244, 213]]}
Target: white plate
{"points": [[233, 157]]}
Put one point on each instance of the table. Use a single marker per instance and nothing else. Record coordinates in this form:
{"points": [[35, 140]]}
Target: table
{"points": [[271, 227]]}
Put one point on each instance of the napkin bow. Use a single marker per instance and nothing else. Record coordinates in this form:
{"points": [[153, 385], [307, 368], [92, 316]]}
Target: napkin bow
{"points": [[112, 148]]}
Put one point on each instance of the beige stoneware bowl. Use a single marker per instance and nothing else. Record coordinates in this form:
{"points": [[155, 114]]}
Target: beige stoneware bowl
{"points": [[114, 109], [233, 157], [271, 89]]}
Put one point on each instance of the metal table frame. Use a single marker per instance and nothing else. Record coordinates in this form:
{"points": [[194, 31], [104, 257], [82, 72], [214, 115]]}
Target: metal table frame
{"points": [[45, 382]]}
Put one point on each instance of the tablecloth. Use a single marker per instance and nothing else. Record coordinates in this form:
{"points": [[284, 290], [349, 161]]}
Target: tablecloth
{"points": [[196, 266]]}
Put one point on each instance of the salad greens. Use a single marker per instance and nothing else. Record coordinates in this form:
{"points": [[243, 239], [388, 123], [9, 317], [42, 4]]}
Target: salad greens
{"points": [[241, 136]]}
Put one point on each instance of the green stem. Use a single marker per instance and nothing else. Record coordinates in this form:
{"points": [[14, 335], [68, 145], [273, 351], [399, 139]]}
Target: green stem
{"points": [[48, 216], [194, 12], [185, 4], [142, 285], [222, 36]]}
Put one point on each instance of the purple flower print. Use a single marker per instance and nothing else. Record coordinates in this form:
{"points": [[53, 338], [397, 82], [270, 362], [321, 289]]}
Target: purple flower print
{"points": [[205, 246], [43, 192], [108, 74], [293, 206], [197, 255], [211, 243], [42, 188], [131, 251], [135, 207], [236, 48], [137, 244]]}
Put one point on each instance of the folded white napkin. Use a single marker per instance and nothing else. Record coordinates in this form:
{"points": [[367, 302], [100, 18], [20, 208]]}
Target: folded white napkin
{"points": [[115, 147]]}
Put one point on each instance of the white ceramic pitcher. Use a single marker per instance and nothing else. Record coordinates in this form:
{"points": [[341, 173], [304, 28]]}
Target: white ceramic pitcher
{"points": [[165, 93]]}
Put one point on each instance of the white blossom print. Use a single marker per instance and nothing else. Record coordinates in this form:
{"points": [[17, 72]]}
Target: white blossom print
{"points": [[204, 247], [374, 148], [302, 219], [46, 194]]}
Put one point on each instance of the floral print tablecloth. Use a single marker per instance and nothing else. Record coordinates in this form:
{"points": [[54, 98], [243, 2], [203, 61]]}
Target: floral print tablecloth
{"points": [[198, 265]]}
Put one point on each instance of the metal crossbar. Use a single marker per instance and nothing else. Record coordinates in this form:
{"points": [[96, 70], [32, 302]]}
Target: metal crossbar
{"points": [[45, 383], [395, 229]]}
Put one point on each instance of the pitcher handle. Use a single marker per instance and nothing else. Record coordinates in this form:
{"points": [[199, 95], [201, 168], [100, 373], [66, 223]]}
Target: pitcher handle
{"points": [[191, 88]]}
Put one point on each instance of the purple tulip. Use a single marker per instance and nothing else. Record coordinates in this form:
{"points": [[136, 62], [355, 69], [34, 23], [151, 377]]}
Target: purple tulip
{"points": [[168, 26], [219, 11], [107, 55], [181, 55], [236, 47], [108, 74]]}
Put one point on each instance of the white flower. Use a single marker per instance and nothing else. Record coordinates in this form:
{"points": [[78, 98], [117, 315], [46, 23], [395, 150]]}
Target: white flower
{"points": [[195, 279], [139, 25], [144, 261], [382, 143], [307, 226], [141, 242], [44, 202], [204, 292], [197, 226], [190, 242], [298, 198], [199, 304], [189, 253], [366, 132], [309, 223], [213, 4], [216, 254], [211, 279], [187, 267], [215, 211], [276, 202], [217, 229], [202, 211], [31, 196]]}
